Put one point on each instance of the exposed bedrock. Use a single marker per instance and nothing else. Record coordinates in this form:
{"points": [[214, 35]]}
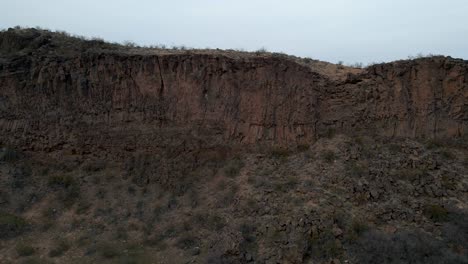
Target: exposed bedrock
{"points": [[105, 100]]}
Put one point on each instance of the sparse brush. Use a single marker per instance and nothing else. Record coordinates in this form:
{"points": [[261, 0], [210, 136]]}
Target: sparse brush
{"points": [[60, 247], [233, 168], [436, 212], [11, 225], [8, 154], [278, 152], [108, 250], [24, 249], [328, 156]]}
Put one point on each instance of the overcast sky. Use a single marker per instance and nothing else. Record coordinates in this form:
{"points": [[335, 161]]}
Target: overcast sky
{"points": [[331, 30]]}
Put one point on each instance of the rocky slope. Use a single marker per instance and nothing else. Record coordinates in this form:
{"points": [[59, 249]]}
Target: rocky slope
{"points": [[138, 155], [248, 99]]}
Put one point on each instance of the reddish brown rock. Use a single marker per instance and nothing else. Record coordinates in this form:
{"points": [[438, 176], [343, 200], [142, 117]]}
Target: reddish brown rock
{"points": [[105, 98]]}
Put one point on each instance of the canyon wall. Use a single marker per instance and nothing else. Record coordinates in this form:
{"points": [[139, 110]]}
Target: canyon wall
{"points": [[104, 100]]}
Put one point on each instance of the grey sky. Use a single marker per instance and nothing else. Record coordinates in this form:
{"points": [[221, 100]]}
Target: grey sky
{"points": [[331, 30]]}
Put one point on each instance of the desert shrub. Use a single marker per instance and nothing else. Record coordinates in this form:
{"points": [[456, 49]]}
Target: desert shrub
{"points": [[412, 174], [70, 195], [34, 260], [356, 229], [209, 221], [328, 156], [59, 248], [261, 51], [60, 180], [330, 133], [455, 228], [291, 181], [357, 65], [94, 166], [434, 143], [20, 176], [248, 231], [121, 233], [229, 195], [8, 155], [101, 193], [129, 44], [261, 177], [403, 247], [302, 147], [49, 212], [83, 207], [448, 183], [278, 152], [70, 189], [24, 249], [446, 154], [323, 245], [11, 225], [285, 185], [438, 143], [135, 258], [436, 212], [394, 148], [356, 169], [233, 168], [187, 241], [108, 250]]}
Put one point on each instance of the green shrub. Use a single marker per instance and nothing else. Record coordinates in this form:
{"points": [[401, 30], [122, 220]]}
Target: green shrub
{"points": [[108, 250], [59, 248], [434, 143], [356, 169], [302, 147], [402, 247], [446, 154], [278, 152], [359, 227], [208, 221], [261, 51], [8, 155], [447, 183], [394, 148], [233, 168], [329, 156], [187, 241], [248, 231], [34, 260], [355, 229], [60, 180], [323, 245], [330, 133], [11, 225], [23, 249], [83, 207], [71, 191], [436, 212], [94, 166], [411, 174]]}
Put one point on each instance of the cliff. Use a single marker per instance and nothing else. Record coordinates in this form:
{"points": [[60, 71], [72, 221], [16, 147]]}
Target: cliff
{"points": [[120, 154], [59, 91]]}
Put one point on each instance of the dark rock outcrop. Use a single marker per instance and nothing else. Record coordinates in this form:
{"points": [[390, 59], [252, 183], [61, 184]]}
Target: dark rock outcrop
{"points": [[111, 98]]}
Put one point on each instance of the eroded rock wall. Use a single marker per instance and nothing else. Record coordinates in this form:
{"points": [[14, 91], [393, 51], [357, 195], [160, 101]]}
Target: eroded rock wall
{"points": [[127, 101]]}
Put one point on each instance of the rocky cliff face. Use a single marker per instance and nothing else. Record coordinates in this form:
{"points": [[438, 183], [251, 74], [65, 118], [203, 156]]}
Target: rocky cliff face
{"points": [[50, 98], [112, 154]]}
